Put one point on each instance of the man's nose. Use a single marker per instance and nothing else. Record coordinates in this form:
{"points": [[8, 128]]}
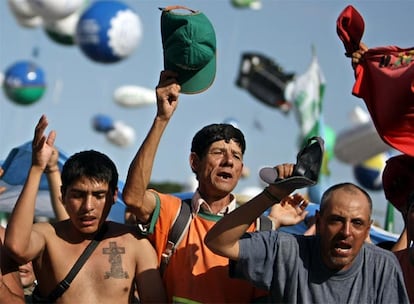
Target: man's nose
{"points": [[228, 157], [88, 202], [346, 228]]}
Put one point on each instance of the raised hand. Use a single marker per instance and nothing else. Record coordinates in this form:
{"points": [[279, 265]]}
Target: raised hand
{"points": [[52, 164], [167, 92], [42, 145], [358, 55], [290, 210]]}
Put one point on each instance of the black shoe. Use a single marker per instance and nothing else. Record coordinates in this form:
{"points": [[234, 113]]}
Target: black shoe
{"points": [[307, 168]]}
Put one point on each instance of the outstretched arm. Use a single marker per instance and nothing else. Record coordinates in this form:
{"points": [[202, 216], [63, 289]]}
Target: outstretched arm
{"points": [[24, 242], [223, 237], [140, 202]]}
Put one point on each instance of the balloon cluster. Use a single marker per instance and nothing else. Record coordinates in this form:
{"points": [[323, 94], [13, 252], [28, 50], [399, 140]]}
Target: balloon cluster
{"points": [[117, 132], [105, 31]]}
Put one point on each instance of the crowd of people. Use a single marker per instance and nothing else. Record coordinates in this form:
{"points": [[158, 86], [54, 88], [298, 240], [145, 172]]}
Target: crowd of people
{"points": [[224, 255]]}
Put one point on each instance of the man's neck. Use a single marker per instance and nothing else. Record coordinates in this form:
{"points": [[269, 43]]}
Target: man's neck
{"points": [[216, 204]]}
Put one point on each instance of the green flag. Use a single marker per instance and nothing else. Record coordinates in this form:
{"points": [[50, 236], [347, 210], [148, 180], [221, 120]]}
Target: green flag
{"points": [[306, 92]]}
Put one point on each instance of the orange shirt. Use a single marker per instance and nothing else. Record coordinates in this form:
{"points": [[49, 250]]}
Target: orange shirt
{"points": [[194, 273]]}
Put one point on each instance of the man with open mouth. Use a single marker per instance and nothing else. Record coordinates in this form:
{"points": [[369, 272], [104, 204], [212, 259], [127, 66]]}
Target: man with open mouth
{"points": [[334, 266]]}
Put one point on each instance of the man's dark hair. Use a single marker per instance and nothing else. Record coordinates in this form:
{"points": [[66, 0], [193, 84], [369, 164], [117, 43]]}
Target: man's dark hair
{"points": [[91, 164], [215, 132], [410, 201], [348, 187]]}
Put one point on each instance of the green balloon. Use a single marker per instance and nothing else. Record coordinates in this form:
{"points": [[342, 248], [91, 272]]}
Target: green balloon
{"points": [[24, 95], [60, 38]]}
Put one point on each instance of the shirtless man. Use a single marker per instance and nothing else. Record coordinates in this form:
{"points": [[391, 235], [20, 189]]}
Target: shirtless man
{"points": [[121, 263]]}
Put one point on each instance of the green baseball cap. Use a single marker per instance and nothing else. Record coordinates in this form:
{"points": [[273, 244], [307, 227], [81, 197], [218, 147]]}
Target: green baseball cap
{"points": [[189, 45]]}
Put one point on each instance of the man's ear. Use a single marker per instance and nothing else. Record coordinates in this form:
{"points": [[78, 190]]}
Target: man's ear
{"points": [[194, 162], [115, 195]]}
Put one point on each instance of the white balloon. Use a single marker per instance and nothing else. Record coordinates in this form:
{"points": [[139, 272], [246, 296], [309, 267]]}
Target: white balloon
{"points": [[31, 22], [359, 116], [65, 26], [22, 8], [134, 96], [125, 33], [358, 143], [122, 135], [24, 14], [55, 9]]}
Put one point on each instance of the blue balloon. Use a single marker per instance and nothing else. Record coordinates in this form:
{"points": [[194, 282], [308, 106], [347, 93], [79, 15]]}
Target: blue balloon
{"points": [[108, 31], [103, 123], [24, 82], [369, 173]]}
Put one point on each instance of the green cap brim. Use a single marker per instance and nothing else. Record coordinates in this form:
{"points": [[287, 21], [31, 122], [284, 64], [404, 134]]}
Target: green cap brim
{"points": [[191, 81]]}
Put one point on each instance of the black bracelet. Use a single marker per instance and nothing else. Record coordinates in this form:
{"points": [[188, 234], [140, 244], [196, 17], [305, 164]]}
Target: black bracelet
{"points": [[270, 196]]}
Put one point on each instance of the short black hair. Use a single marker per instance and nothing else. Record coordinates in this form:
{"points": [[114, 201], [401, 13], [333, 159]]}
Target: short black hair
{"points": [[91, 164], [349, 187], [215, 132]]}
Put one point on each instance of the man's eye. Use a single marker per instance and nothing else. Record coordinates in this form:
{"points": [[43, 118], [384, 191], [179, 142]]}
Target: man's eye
{"points": [[217, 152], [76, 195], [335, 220], [358, 223], [100, 195], [237, 156]]}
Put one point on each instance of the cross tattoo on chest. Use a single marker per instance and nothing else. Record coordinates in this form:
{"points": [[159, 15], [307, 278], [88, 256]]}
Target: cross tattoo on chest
{"points": [[116, 261]]}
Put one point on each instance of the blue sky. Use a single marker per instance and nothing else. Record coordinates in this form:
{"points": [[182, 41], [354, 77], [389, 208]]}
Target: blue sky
{"points": [[282, 30]]}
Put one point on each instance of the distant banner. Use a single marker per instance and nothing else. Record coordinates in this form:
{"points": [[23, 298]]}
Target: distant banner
{"points": [[306, 93]]}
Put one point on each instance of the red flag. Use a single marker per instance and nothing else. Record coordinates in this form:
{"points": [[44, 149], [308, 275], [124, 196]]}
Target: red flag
{"points": [[384, 80]]}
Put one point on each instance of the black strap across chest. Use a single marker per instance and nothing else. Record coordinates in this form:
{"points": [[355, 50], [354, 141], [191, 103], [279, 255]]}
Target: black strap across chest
{"points": [[65, 283]]}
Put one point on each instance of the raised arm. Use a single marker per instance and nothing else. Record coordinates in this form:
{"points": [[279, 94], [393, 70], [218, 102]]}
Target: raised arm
{"points": [[223, 237], [54, 180], [24, 242], [135, 196], [358, 55]]}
